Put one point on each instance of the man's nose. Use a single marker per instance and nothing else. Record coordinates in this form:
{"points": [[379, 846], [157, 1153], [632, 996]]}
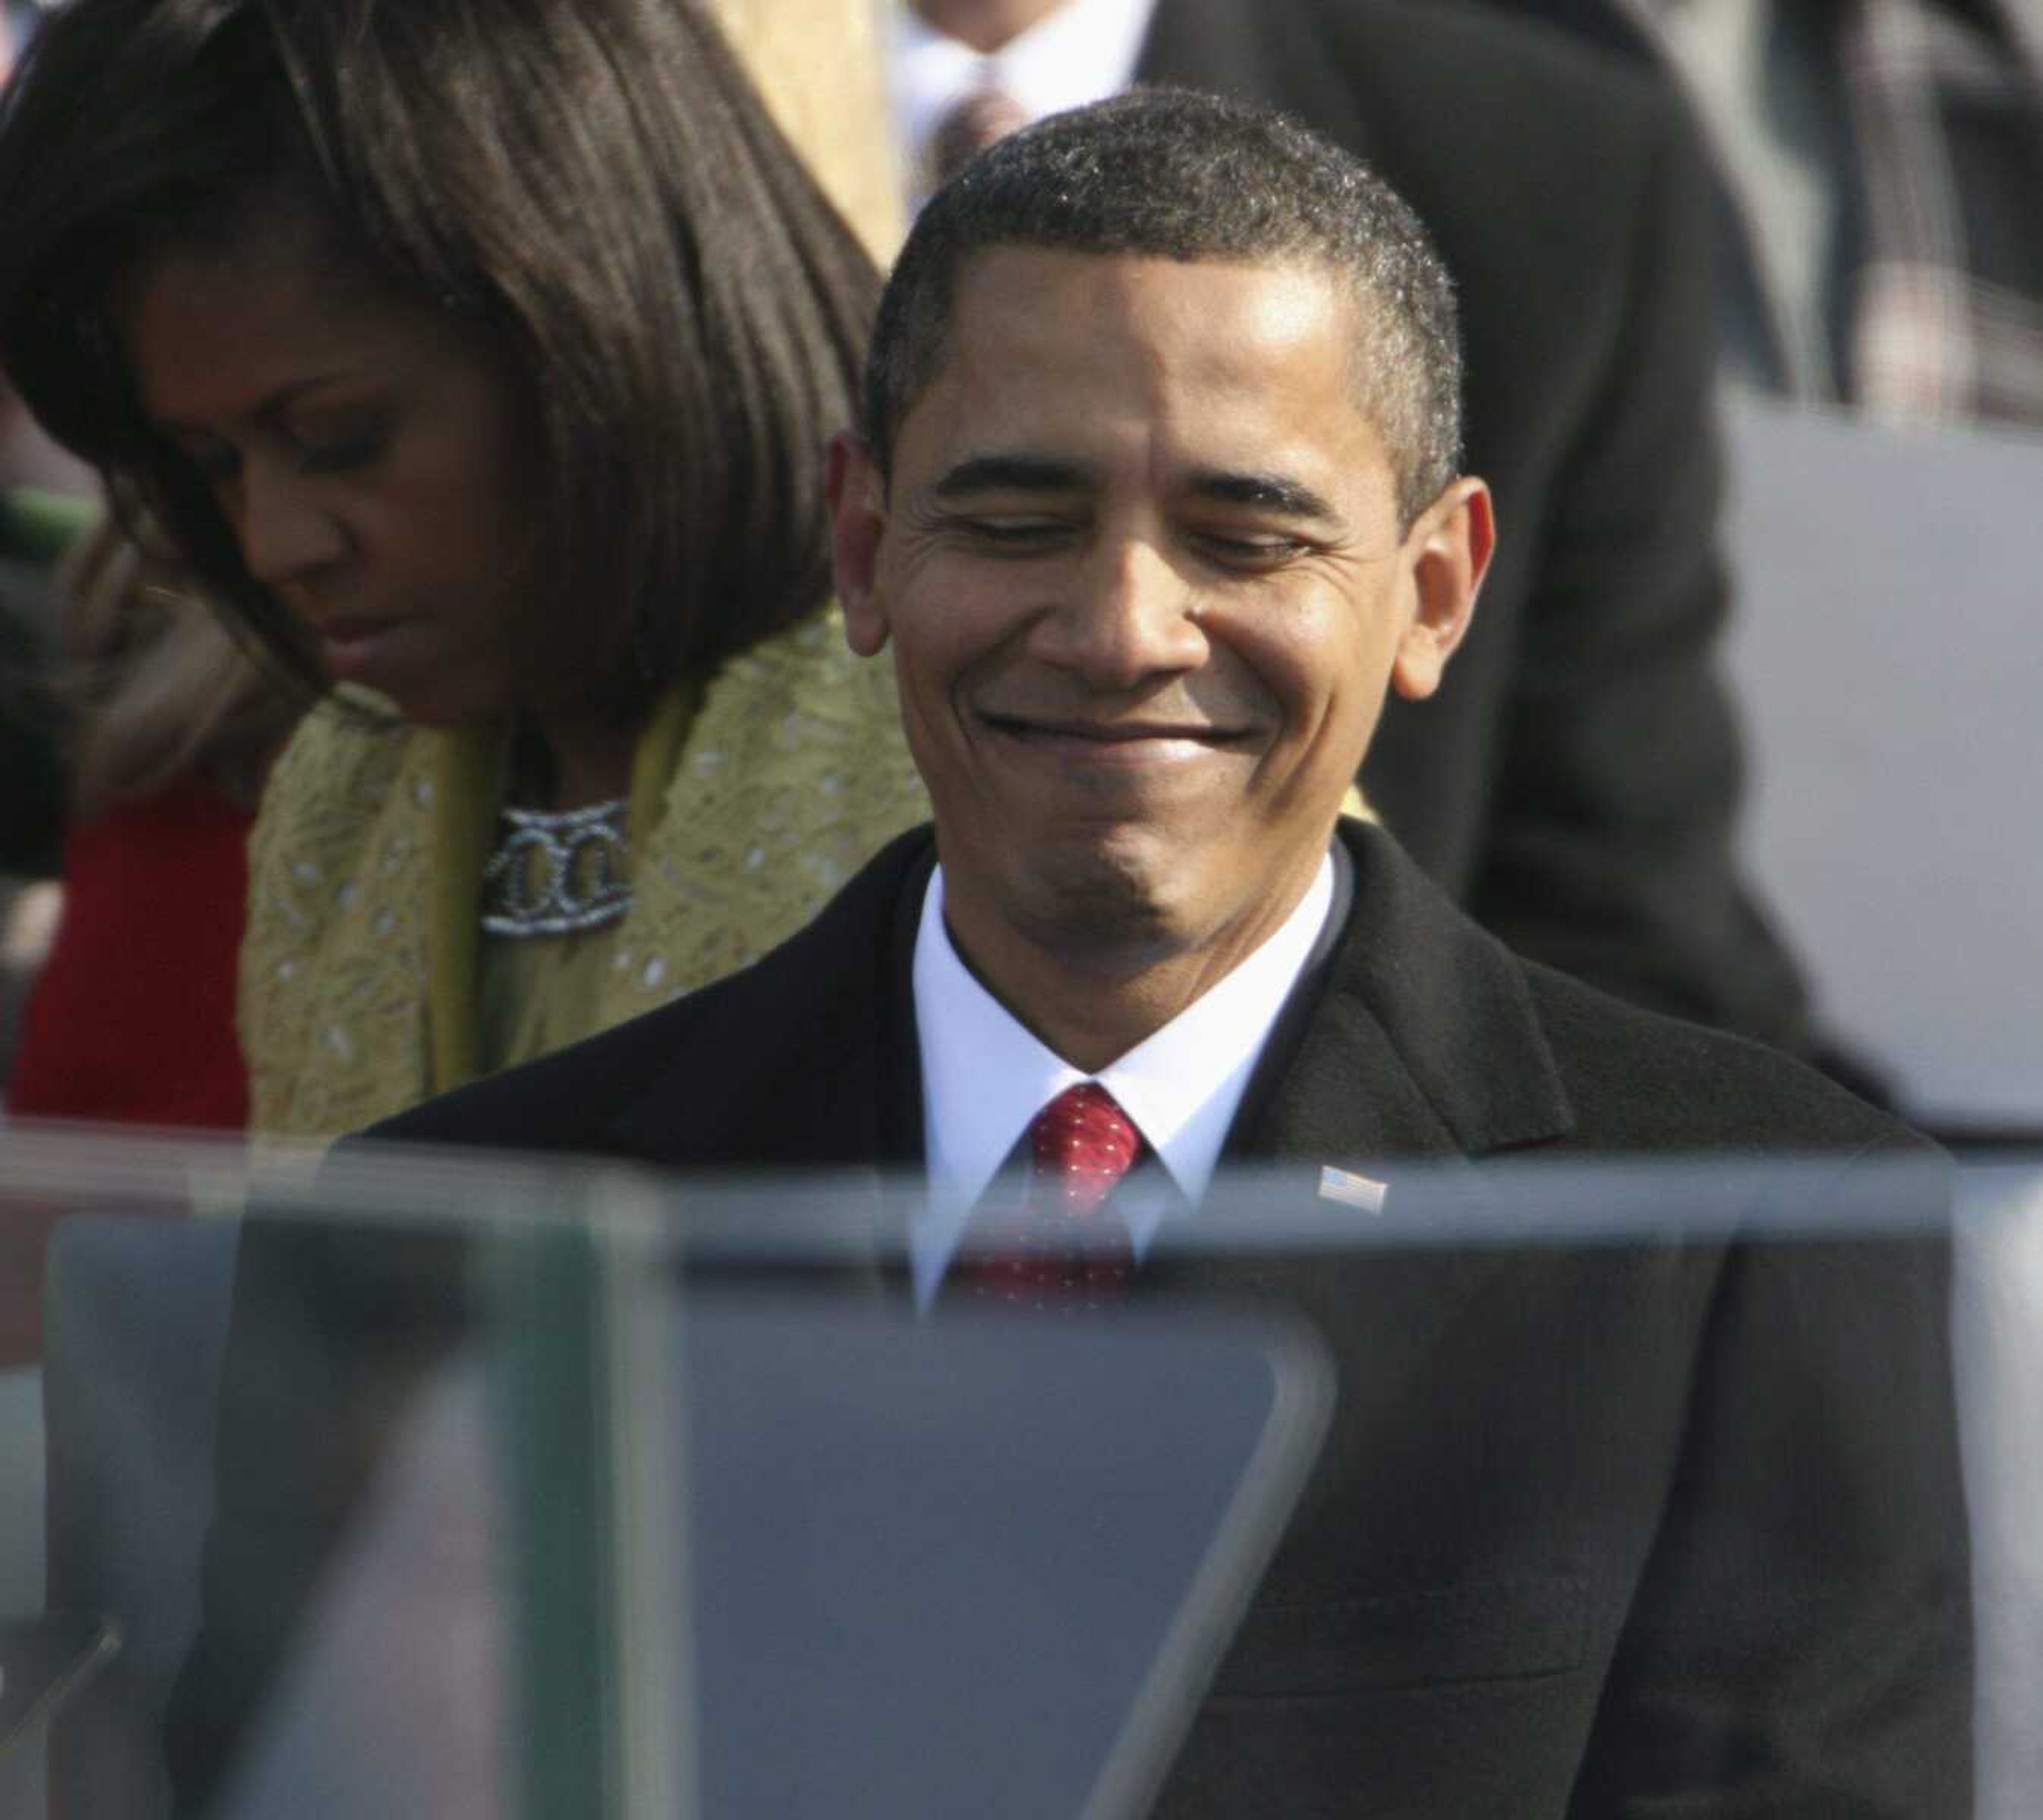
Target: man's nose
{"points": [[1128, 616], [285, 531]]}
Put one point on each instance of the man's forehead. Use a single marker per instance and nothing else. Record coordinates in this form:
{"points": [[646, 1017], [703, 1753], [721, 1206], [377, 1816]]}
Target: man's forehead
{"points": [[1037, 331], [1011, 297], [995, 272]]}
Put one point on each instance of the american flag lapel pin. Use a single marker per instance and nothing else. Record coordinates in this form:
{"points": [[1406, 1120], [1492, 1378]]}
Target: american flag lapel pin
{"points": [[1362, 1191]]}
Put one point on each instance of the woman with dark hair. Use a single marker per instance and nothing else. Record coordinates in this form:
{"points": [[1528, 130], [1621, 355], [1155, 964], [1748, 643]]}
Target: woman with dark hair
{"points": [[477, 356]]}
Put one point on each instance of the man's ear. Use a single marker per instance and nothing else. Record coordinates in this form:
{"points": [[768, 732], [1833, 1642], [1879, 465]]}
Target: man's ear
{"points": [[857, 495], [1448, 548]]}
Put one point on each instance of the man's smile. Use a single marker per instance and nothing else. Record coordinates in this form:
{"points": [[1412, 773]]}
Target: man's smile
{"points": [[1086, 730], [1113, 743]]}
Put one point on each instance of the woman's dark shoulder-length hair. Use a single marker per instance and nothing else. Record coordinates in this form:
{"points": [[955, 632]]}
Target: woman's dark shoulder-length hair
{"points": [[595, 182]]}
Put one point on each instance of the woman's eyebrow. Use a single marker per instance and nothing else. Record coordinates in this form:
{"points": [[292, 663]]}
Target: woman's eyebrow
{"points": [[281, 399]]}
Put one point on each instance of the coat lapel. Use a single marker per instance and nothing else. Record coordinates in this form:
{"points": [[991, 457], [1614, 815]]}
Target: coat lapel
{"points": [[814, 1065], [1421, 1039], [1413, 1052]]}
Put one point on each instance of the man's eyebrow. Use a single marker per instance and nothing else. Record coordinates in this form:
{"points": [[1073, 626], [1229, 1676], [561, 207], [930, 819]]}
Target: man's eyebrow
{"points": [[1275, 493], [1013, 474]]}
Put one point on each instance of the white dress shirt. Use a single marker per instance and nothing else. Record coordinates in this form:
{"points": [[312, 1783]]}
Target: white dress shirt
{"points": [[985, 1076], [1083, 52]]}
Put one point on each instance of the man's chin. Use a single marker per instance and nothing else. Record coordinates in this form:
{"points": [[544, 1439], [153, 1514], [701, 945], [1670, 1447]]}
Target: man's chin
{"points": [[1111, 899]]}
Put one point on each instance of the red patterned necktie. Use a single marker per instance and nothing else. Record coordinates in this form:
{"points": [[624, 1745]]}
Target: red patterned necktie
{"points": [[982, 118], [1061, 1246]]}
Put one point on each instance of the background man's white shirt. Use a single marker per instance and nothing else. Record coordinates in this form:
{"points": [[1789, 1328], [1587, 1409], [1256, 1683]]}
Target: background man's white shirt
{"points": [[1083, 52], [985, 1075]]}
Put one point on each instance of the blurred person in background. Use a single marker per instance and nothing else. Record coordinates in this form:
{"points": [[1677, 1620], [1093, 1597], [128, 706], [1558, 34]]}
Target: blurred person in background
{"points": [[27, 458], [1577, 784], [31, 767], [175, 725], [1878, 163], [40, 511], [126, 967], [501, 404], [820, 66]]}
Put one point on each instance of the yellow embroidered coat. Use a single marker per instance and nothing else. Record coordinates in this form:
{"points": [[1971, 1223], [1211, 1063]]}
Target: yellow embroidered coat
{"points": [[753, 798]]}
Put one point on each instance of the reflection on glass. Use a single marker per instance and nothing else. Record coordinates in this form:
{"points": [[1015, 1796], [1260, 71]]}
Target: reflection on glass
{"points": [[546, 1491]]}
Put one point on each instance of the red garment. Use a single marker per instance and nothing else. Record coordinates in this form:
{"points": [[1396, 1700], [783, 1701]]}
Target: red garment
{"points": [[132, 1017]]}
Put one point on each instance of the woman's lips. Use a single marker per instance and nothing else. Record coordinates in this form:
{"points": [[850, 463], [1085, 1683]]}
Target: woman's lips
{"points": [[362, 650]]}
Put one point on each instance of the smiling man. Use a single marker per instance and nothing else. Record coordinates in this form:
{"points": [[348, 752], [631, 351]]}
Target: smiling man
{"points": [[1156, 501], [1147, 583]]}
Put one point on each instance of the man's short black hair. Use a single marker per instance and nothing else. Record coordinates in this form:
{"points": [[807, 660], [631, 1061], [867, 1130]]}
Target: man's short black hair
{"points": [[1169, 173]]}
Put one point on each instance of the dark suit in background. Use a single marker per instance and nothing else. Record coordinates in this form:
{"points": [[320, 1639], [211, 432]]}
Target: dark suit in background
{"points": [[1575, 783], [1594, 1525]]}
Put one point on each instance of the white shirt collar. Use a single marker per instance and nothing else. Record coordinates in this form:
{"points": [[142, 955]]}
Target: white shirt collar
{"points": [[1083, 52], [985, 1075]]}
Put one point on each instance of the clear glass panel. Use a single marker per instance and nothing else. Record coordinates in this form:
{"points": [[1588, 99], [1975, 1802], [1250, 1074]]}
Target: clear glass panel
{"points": [[501, 1489]]}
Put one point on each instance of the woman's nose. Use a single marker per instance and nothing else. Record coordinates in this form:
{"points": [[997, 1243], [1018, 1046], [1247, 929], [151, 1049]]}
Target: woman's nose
{"points": [[284, 529]]}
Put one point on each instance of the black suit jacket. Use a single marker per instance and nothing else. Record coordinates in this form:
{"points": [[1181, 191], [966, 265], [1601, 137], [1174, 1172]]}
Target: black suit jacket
{"points": [[1574, 784], [1595, 1527]]}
